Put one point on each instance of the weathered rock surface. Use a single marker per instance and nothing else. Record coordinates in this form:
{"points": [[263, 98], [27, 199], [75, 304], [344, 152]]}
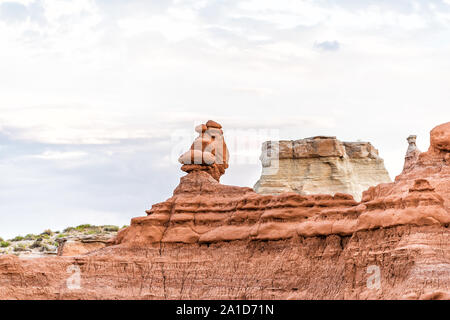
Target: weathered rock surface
{"points": [[83, 244], [212, 241], [208, 152], [320, 165], [412, 153]]}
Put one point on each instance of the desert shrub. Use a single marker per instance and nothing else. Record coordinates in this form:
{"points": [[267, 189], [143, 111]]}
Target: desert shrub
{"points": [[124, 226], [111, 228], [82, 227], [20, 247], [45, 247], [36, 244], [47, 232], [69, 229], [45, 236], [4, 244], [30, 237], [18, 238], [61, 235]]}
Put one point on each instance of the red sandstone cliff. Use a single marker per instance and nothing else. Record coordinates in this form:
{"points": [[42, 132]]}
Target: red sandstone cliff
{"points": [[211, 241]]}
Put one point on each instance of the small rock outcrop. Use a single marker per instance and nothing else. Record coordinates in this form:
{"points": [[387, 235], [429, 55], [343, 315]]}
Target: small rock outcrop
{"points": [[320, 165], [74, 246]]}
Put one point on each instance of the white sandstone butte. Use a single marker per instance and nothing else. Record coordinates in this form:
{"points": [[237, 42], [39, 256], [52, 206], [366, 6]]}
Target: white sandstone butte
{"points": [[320, 164]]}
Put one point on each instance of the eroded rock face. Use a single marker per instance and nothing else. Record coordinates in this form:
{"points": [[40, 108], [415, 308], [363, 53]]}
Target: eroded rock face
{"points": [[83, 244], [320, 165], [440, 138], [212, 241]]}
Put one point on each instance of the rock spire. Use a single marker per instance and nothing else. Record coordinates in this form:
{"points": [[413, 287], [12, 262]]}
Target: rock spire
{"points": [[208, 152], [412, 153]]}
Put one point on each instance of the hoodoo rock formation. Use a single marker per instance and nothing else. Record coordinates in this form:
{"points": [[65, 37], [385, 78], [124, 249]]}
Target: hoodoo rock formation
{"points": [[412, 153], [213, 241], [320, 165], [209, 151]]}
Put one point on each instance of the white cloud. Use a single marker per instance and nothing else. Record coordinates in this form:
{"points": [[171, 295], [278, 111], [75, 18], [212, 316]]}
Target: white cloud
{"points": [[327, 45], [57, 155], [68, 125]]}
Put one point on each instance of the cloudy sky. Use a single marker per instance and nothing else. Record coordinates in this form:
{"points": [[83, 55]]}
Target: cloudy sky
{"points": [[97, 97]]}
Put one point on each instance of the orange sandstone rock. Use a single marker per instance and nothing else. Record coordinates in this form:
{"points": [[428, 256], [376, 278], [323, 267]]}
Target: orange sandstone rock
{"points": [[213, 241], [440, 137], [208, 153]]}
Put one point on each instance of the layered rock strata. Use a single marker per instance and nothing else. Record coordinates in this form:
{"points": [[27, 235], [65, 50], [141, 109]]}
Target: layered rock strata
{"points": [[320, 165], [212, 241], [83, 244]]}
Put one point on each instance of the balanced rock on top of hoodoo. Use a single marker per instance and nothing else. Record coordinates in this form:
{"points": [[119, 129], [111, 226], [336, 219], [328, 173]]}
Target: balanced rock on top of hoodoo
{"points": [[208, 152]]}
